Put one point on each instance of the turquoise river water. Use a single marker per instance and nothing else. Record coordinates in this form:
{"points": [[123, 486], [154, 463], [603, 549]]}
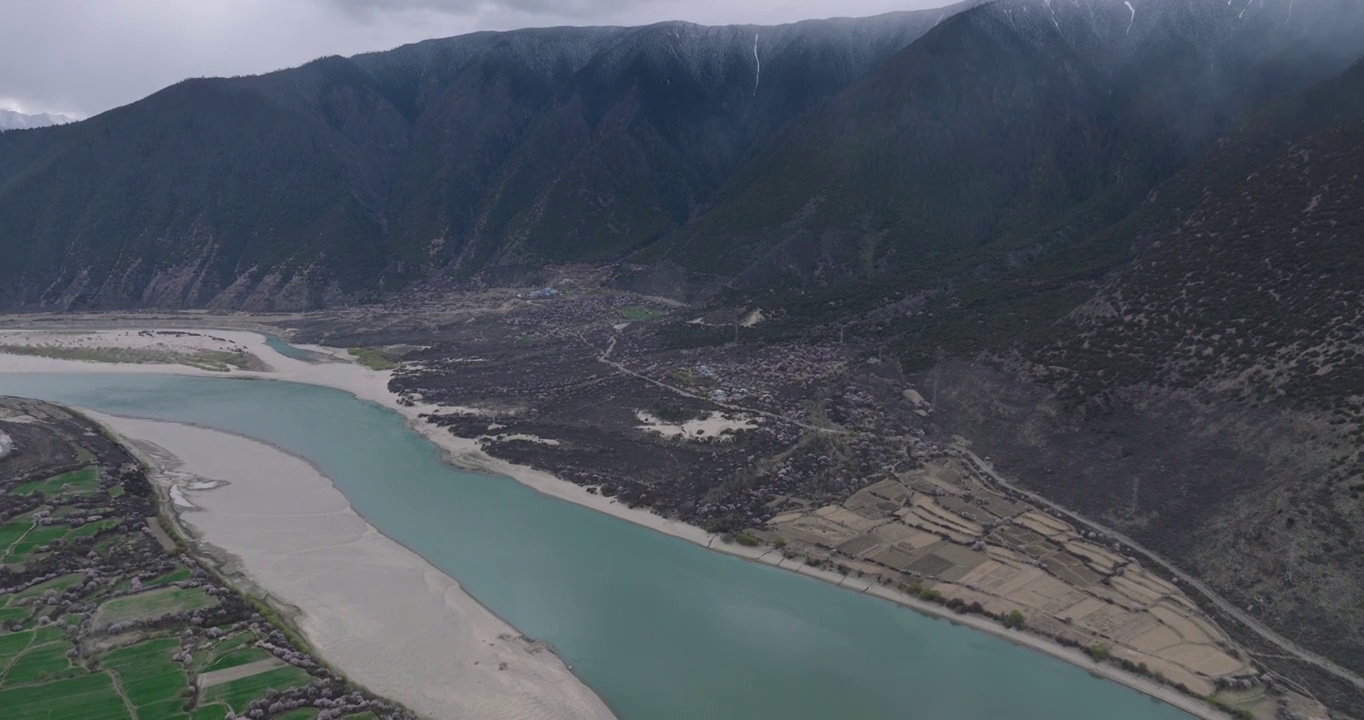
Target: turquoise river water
{"points": [[659, 627]]}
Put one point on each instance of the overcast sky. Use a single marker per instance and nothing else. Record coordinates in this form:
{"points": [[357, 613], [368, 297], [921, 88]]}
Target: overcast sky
{"points": [[82, 57]]}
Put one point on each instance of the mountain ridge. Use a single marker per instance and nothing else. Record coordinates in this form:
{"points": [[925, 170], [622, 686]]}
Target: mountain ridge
{"points": [[1217, 375], [453, 140], [698, 159]]}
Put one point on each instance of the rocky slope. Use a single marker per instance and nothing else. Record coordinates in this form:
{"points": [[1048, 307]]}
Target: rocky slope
{"points": [[345, 177], [1209, 398], [903, 149], [1008, 126]]}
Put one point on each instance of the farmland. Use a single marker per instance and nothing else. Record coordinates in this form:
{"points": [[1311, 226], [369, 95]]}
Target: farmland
{"points": [[946, 534], [100, 620]]}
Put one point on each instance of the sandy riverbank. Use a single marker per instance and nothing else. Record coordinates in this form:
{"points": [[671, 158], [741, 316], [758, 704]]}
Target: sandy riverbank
{"points": [[375, 610], [372, 385]]}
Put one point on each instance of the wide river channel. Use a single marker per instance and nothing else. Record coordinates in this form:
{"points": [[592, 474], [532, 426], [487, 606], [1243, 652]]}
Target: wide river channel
{"points": [[659, 627]]}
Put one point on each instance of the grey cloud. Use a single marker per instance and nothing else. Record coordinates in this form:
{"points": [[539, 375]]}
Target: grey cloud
{"points": [[369, 9], [86, 56]]}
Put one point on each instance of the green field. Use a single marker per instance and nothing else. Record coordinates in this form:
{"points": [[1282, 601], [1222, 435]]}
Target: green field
{"points": [[12, 531], [148, 674], [11, 644], [239, 693], [240, 656], [91, 697], [639, 313], [170, 577], [36, 538], [48, 634], [173, 709], [232, 643], [152, 604], [93, 528], [37, 664], [60, 584], [85, 480], [210, 712], [373, 358]]}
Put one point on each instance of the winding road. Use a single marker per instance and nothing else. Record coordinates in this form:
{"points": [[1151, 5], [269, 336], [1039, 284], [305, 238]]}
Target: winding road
{"points": [[1291, 648]]}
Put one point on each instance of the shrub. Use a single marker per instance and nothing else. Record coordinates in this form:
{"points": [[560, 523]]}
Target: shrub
{"points": [[373, 358], [746, 540]]}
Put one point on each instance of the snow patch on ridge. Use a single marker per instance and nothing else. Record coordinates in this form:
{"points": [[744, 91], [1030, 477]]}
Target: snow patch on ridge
{"points": [[757, 61]]}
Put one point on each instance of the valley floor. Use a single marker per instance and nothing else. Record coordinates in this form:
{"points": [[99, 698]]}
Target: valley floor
{"points": [[951, 545]]}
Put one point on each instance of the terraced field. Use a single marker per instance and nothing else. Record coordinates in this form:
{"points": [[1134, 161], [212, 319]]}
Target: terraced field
{"points": [[98, 621], [945, 534]]}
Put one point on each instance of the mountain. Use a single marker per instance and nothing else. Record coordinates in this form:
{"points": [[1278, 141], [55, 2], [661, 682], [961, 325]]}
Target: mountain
{"points": [[1119, 240], [1207, 398], [445, 158], [14, 120], [1010, 125], [1250, 293], [901, 150]]}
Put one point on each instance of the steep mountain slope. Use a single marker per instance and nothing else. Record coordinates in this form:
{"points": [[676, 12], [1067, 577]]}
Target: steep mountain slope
{"points": [[347, 176], [13, 120], [1009, 125], [1209, 399], [908, 148], [203, 188]]}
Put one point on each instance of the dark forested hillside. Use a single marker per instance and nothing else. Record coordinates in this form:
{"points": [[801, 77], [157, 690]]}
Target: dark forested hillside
{"points": [[346, 177], [906, 148], [1009, 125], [1209, 398]]}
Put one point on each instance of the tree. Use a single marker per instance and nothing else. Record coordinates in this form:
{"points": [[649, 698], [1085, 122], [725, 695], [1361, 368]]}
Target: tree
{"points": [[1014, 620]]}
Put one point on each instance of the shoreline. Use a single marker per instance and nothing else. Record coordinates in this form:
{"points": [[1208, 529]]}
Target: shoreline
{"points": [[174, 512], [435, 610], [466, 454]]}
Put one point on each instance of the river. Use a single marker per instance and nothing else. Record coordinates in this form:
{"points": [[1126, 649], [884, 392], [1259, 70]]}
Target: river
{"points": [[659, 627]]}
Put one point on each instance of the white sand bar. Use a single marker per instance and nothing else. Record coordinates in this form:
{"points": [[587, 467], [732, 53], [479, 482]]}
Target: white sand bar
{"points": [[375, 610]]}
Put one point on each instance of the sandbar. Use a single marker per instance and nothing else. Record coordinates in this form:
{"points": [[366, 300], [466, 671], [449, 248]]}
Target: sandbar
{"points": [[375, 610]]}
